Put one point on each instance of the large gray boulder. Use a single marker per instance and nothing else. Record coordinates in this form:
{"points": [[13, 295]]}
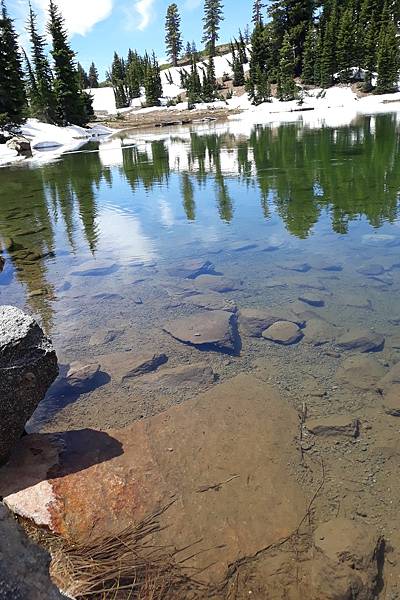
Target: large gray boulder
{"points": [[24, 566], [28, 366]]}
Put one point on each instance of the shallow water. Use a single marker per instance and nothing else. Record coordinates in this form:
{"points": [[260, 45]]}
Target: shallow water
{"points": [[285, 211]]}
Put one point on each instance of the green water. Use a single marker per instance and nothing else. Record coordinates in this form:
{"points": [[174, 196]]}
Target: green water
{"points": [[143, 203]]}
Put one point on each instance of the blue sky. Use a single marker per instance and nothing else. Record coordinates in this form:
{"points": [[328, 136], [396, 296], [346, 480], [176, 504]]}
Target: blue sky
{"points": [[98, 27]]}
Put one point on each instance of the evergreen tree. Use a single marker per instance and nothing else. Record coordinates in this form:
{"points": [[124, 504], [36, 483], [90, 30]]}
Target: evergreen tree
{"points": [[191, 82], [258, 8], [13, 99], [213, 15], [173, 38], [134, 76], [293, 17], [42, 101], [237, 67], [346, 51], [71, 102], [328, 56], [209, 91], [388, 59], [32, 89], [309, 57], [286, 84], [188, 51], [93, 76], [117, 77], [83, 78], [152, 82]]}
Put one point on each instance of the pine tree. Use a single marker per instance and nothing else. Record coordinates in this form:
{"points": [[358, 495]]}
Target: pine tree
{"points": [[93, 76], [213, 15], [258, 7], [346, 51], [237, 67], [328, 56], [293, 17], [309, 57], [13, 101], [192, 84], [134, 76], [173, 38], [44, 106], [117, 77], [152, 82], [83, 79], [32, 89], [188, 51], [71, 102], [388, 59], [209, 91], [286, 84]]}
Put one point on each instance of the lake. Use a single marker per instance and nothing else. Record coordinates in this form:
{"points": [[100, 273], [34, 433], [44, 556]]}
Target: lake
{"points": [[287, 212], [169, 263]]}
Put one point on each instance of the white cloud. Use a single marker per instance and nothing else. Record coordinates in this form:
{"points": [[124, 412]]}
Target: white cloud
{"points": [[80, 15], [144, 8]]}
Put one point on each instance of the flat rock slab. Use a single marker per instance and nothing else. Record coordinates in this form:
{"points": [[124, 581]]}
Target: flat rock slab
{"points": [[312, 299], [346, 557], [185, 376], [337, 425], [391, 401], [190, 269], [216, 283], [223, 457], [318, 332], [371, 270], [253, 321], [211, 301], [95, 268], [104, 336], [284, 333], [122, 366], [214, 330], [390, 379], [297, 267], [361, 372], [363, 340]]}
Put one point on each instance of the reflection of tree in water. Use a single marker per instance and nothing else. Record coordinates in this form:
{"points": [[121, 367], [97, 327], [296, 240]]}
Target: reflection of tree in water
{"points": [[31, 205], [350, 172]]}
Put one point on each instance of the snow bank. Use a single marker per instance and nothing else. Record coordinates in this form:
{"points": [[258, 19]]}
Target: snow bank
{"points": [[50, 141]]}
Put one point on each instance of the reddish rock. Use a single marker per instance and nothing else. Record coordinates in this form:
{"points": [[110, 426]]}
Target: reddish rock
{"points": [[223, 458]]}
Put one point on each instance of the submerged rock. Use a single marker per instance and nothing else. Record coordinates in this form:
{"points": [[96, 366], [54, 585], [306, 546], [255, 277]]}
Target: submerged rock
{"points": [[169, 379], [318, 332], [363, 340], [214, 330], [283, 332], [223, 456], [2, 263], [216, 283], [372, 270], [392, 378], [211, 301], [104, 336], [336, 425], [28, 366], [122, 366], [361, 372], [391, 401], [312, 299], [346, 560], [254, 321], [24, 566], [190, 269], [95, 268]]}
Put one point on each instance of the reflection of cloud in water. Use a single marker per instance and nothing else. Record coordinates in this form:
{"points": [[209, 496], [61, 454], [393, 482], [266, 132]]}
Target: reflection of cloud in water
{"points": [[166, 215], [122, 237], [111, 153]]}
